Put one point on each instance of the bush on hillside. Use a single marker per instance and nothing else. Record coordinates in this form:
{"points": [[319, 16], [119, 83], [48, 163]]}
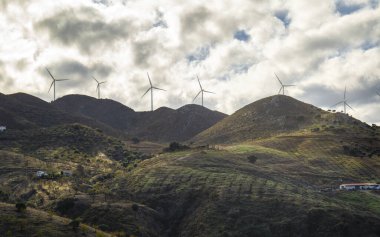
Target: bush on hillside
{"points": [[20, 207], [135, 140], [252, 158], [175, 146]]}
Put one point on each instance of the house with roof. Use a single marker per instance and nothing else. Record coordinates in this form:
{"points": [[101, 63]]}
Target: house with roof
{"points": [[360, 186]]}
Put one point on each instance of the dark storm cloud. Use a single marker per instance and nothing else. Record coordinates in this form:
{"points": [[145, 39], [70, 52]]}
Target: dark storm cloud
{"points": [[78, 74], [84, 28]]}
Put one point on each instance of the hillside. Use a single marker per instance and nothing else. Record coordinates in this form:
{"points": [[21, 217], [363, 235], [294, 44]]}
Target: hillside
{"points": [[163, 124], [23, 111], [34, 222], [166, 124], [268, 117], [107, 111], [282, 181]]}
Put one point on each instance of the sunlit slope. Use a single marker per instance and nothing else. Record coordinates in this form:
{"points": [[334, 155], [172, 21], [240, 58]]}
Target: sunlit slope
{"points": [[269, 117], [223, 193]]}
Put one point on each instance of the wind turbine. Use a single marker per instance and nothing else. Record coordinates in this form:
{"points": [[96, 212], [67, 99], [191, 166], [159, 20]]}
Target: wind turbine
{"points": [[201, 91], [98, 86], [151, 88], [54, 81], [282, 85], [344, 101]]}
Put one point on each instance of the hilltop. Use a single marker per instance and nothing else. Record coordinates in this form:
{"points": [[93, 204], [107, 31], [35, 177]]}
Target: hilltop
{"points": [[22, 111], [271, 116], [163, 124]]}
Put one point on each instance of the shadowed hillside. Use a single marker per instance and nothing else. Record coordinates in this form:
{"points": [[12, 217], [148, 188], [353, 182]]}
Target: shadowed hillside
{"points": [[23, 111], [163, 124]]}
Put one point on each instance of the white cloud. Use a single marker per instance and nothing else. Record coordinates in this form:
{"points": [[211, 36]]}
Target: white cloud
{"points": [[321, 47]]}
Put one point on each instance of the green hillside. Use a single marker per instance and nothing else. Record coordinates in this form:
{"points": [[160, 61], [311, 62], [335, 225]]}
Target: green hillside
{"points": [[279, 181]]}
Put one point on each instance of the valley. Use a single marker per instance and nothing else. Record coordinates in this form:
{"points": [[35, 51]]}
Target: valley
{"points": [[263, 171]]}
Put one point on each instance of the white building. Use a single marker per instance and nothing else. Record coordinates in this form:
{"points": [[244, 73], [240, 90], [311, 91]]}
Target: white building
{"points": [[3, 128], [41, 174], [360, 186]]}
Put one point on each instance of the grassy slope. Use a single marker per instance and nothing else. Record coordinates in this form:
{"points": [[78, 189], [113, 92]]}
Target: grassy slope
{"points": [[220, 193], [38, 223]]}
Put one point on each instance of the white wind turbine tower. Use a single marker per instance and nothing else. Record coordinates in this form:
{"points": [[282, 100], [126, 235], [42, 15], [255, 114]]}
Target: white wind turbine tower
{"points": [[201, 91], [54, 81], [151, 88], [98, 86], [344, 101], [282, 85]]}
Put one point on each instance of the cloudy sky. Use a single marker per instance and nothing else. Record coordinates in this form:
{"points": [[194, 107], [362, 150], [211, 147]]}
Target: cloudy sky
{"points": [[235, 47]]}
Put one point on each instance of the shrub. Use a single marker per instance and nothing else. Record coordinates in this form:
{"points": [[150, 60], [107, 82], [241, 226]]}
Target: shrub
{"points": [[252, 158], [20, 206], [175, 146], [135, 140], [135, 207]]}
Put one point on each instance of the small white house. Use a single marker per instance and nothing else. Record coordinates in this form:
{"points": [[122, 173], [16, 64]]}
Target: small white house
{"points": [[66, 173], [3, 128], [360, 186], [41, 174]]}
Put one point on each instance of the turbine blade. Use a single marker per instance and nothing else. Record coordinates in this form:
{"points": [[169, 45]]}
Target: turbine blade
{"points": [[209, 92], [288, 85], [146, 92], [62, 79], [51, 85], [95, 79], [199, 83], [102, 82], [50, 73], [150, 82], [279, 90], [158, 88], [197, 95], [278, 78], [337, 103], [348, 105]]}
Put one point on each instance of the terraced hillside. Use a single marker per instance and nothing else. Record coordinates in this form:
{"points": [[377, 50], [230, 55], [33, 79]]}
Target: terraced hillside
{"points": [[280, 186], [34, 222], [282, 182]]}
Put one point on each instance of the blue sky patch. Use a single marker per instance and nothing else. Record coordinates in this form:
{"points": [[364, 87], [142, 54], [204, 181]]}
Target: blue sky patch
{"points": [[344, 8], [242, 35], [199, 55], [283, 16]]}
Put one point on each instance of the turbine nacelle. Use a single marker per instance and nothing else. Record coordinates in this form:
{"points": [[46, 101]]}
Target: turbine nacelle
{"points": [[151, 88], [283, 86], [201, 91], [98, 86], [344, 101], [54, 80]]}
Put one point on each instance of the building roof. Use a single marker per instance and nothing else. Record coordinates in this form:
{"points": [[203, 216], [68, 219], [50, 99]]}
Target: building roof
{"points": [[359, 184]]}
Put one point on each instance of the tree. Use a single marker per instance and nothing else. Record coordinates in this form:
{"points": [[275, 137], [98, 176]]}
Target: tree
{"points": [[252, 158], [20, 206]]}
